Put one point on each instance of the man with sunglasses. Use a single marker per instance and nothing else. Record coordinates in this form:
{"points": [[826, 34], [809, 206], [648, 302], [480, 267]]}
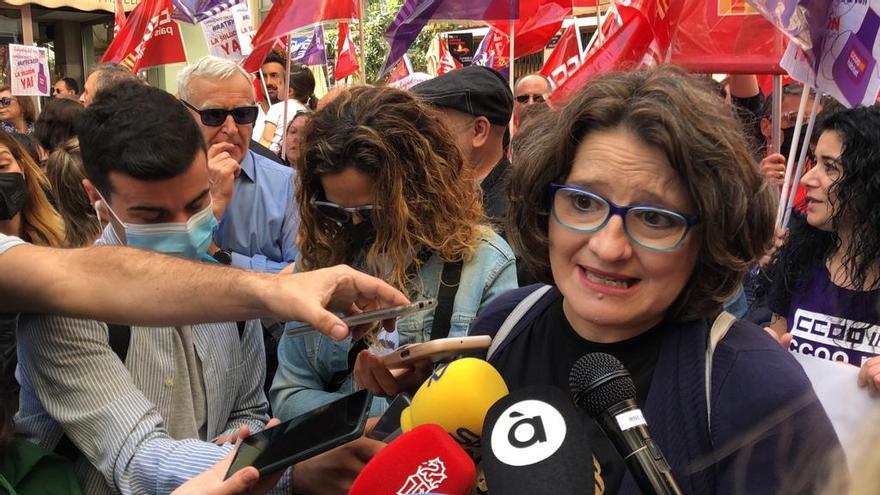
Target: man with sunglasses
{"points": [[530, 90], [65, 87], [253, 196]]}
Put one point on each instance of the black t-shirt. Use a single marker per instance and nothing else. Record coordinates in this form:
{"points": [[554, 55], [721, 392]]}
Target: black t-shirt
{"points": [[544, 353]]}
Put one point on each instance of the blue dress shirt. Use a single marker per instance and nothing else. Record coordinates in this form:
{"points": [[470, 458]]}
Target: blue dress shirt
{"points": [[259, 225]]}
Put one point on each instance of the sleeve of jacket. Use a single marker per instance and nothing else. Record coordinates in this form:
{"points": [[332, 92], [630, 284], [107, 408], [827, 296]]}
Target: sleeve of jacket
{"points": [[770, 432], [84, 386]]}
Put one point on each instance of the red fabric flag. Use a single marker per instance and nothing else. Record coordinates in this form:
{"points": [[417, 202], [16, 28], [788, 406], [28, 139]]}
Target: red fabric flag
{"points": [[118, 18], [149, 38], [539, 21], [565, 59], [726, 36], [494, 51], [445, 61], [346, 55], [290, 15], [644, 37]]}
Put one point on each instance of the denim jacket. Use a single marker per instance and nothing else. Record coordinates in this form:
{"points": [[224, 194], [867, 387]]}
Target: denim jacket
{"points": [[307, 363]]}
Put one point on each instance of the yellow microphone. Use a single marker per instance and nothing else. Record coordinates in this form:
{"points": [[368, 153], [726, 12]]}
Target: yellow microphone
{"points": [[457, 397]]}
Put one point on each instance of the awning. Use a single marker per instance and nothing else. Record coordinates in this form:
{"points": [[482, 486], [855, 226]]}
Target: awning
{"points": [[87, 5]]}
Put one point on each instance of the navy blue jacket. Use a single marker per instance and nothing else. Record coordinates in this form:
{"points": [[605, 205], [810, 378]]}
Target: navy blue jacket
{"points": [[769, 434]]}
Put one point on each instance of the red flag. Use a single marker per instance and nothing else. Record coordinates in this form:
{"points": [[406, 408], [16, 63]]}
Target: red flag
{"points": [[726, 36], [118, 18], [149, 38], [494, 51], [539, 21], [346, 55], [445, 61], [290, 15], [643, 37], [565, 59]]}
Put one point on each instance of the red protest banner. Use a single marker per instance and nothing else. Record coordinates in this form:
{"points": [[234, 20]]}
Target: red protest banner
{"points": [[149, 38], [726, 36]]}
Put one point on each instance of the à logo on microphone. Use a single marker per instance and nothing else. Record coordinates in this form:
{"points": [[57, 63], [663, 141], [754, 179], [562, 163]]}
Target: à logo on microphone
{"points": [[428, 477], [527, 433]]}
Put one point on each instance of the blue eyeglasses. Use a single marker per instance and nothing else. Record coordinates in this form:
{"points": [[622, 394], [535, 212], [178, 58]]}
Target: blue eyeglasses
{"points": [[651, 227]]}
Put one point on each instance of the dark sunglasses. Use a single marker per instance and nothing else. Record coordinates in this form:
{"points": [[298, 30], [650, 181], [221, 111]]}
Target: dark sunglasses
{"points": [[213, 117], [535, 98], [6, 101], [340, 214]]}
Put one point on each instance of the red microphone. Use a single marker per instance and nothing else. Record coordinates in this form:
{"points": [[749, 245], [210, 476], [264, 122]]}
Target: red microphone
{"points": [[424, 459]]}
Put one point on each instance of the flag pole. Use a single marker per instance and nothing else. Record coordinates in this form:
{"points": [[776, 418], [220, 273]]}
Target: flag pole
{"points": [[805, 147], [776, 115], [510, 62], [363, 44], [286, 100], [265, 89], [601, 35], [783, 202]]}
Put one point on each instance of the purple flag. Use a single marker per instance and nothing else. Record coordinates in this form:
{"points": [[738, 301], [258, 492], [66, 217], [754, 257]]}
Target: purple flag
{"points": [[313, 52], [804, 22], [196, 11], [414, 14]]}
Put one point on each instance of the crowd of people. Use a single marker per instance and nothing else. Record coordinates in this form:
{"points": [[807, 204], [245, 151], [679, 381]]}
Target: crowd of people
{"points": [[155, 247]]}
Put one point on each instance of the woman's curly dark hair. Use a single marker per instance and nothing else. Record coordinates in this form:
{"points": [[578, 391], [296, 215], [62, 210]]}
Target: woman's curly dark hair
{"points": [[857, 196]]}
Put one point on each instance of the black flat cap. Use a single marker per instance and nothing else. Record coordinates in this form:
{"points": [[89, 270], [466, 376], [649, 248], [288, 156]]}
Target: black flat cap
{"points": [[475, 90]]}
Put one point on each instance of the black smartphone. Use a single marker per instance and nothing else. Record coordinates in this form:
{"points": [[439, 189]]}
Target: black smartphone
{"points": [[305, 436]]}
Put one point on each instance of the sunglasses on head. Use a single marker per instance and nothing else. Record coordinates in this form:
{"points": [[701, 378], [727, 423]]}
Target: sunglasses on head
{"points": [[537, 98], [6, 101], [213, 117]]}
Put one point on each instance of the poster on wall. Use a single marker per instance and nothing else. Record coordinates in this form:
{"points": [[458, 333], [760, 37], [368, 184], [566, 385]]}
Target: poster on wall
{"points": [[229, 33], [29, 70], [461, 45]]}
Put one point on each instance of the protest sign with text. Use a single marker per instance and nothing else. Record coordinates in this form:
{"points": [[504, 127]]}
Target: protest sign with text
{"points": [[225, 37], [29, 70]]}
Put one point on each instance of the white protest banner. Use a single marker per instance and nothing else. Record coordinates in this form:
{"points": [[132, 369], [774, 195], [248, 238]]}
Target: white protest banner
{"points": [[848, 406], [244, 25], [228, 34], [846, 58], [29, 70]]}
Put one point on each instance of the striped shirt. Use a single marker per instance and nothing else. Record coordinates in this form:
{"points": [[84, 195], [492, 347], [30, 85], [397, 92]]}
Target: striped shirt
{"points": [[73, 383]]}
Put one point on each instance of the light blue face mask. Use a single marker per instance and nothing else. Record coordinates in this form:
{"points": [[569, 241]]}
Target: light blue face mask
{"points": [[187, 240]]}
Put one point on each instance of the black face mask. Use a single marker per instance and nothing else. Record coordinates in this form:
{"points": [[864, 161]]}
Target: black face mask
{"points": [[788, 138], [12, 194], [361, 235]]}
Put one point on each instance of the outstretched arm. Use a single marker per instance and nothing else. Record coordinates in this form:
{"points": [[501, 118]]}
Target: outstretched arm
{"points": [[123, 285]]}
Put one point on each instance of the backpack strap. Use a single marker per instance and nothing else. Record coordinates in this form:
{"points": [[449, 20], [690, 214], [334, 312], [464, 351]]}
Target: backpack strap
{"points": [[514, 317], [449, 281], [719, 329]]}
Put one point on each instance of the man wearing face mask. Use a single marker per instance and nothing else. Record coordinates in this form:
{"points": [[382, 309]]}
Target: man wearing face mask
{"points": [[139, 409], [773, 165]]}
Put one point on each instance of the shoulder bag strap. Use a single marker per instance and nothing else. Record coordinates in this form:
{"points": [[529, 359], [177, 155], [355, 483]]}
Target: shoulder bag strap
{"points": [[449, 282], [719, 329], [513, 318]]}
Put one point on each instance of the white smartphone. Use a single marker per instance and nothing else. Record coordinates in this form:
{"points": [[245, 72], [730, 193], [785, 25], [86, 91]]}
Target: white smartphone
{"points": [[371, 316], [437, 350]]}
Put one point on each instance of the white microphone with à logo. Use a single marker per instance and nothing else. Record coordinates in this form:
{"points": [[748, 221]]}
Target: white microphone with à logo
{"points": [[536, 442]]}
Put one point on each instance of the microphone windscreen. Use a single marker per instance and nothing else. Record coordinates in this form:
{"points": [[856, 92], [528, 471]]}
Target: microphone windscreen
{"points": [[422, 460], [536, 442], [456, 397]]}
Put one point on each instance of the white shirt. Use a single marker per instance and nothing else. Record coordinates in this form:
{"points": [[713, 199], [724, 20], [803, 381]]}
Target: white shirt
{"points": [[276, 116], [259, 124], [7, 241]]}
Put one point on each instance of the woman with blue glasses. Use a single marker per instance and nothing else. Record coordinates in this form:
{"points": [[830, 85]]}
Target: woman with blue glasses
{"points": [[639, 206]]}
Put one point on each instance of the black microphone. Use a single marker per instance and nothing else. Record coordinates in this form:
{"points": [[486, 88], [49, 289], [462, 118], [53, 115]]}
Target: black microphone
{"points": [[536, 442], [603, 388]]}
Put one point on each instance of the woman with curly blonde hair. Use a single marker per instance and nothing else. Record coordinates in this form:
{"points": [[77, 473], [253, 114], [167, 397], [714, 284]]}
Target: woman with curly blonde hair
{"points": [[25, 211], [381, 185]]}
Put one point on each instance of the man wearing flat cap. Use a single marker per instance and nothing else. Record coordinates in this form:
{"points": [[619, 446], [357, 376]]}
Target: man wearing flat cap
{"points": [[476, 104]]}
